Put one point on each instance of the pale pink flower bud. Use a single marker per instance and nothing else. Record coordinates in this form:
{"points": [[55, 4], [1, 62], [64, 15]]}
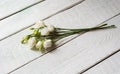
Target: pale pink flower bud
{"points": [[45, 31], [32, 42], [50, 28], [39, 24], [47, 43], [39, 45]]}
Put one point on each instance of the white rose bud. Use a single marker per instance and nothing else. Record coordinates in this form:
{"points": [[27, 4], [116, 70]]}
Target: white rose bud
{"points": [[39, 24], [50, 28], [32, 42], [45, 31], [39, 45], [47, 43]]}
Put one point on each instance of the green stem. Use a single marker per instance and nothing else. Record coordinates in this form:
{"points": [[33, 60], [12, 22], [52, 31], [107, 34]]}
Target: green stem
{"points": [[97, 27], [69, 32]]}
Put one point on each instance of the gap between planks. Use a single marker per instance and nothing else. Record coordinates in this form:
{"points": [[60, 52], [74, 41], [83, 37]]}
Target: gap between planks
{"points": [[21, 10], [108, 66], [82, 72], [69, 41], [106, 56], [62, 10], [69, 7], [93, 63]]}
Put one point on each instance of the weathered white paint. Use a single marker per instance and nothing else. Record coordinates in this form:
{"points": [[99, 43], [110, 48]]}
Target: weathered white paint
{"points": [[8, 7], [13, 54], [78, 54], [109, 66], [31, 15]]}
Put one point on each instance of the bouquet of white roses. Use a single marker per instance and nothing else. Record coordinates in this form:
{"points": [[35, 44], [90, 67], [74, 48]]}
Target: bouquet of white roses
{"points": [[44, 36]]}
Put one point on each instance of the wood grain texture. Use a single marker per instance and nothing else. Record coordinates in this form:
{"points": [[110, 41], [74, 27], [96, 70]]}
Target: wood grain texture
{"points": [[11, 54], [27, 17], [109, 66], [78, 54], [8, 7], [18, 54]]}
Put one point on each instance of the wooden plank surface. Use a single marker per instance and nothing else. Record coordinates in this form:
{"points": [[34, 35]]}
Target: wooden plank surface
{"points": [[109, 66], [17, 54], [12, 54], [29, 16], [8, 7], [79, 54]]}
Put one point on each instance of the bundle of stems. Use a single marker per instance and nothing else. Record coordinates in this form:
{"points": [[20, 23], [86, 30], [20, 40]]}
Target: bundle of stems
{"points": [[44, 36]]}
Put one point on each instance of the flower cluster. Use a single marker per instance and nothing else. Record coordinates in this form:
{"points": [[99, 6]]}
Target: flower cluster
{"points": [[38, 39], [44, 36]]}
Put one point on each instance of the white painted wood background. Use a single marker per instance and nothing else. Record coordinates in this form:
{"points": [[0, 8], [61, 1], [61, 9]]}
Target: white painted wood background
{"points": [[109, 66], [82, 53]]}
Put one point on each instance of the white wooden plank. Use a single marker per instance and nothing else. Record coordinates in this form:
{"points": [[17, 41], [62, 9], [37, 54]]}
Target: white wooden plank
{"points": [[109, 66], [8, 7], [12, 56], [17, 54], [33, 14], [78, 54]]}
